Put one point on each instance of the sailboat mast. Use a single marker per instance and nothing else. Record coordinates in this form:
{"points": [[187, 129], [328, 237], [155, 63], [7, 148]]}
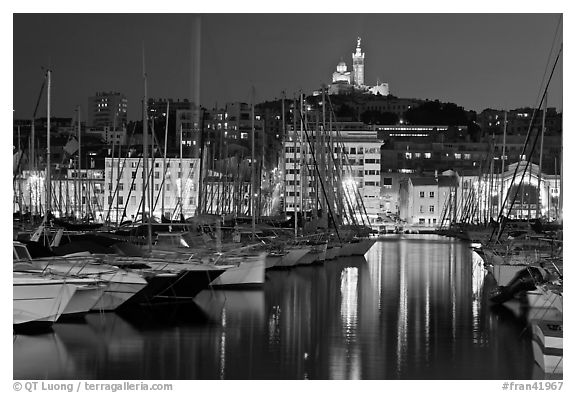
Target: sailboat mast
{"points": [[253, 166], [501, 204], [111, 196], [165, 148], [539, 208], [180, 176], [283, 157], [19, 178], [152, 168], [145, 150], [294, 137], [490, 201], [48, 173], [32, 152], [561, 186], [302, 158], [80, 188], [324, 161]]}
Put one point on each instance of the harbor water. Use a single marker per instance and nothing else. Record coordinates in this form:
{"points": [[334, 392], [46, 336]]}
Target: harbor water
{"points": [[414, 307]]}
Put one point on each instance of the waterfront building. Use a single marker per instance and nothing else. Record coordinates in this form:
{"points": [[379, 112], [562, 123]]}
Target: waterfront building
{"points": [[425, 200], [425, 150], [107, 109], [177, 183], [360, 169], [528, 196], [74, 193], [226, 194]]}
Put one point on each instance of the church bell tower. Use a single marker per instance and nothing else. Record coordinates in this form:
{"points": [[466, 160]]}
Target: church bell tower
{"points": [[358, 65]]}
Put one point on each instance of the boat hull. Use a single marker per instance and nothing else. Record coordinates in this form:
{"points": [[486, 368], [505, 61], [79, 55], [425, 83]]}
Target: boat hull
{"points": [[249, 273], [122, 286], [360, 248], [547, 347], [293, 257], [40, 301], [173, 286], [332, 252], [85, 297]]}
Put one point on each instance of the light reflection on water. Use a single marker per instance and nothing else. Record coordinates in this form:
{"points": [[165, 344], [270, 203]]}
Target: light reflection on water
{"points": [[414, 308]]}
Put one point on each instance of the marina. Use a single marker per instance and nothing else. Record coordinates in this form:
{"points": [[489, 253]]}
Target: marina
{"points": [[333, 232], [392, 314]]}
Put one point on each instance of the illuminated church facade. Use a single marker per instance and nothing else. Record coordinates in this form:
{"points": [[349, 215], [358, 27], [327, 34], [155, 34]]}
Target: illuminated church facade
{"points": [[347, 82]]}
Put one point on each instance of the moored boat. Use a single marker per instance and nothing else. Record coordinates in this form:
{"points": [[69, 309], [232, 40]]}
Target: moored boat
{"points": [[112, 285], [39, 301], [241, 271], [547, 347], [167, 281]]}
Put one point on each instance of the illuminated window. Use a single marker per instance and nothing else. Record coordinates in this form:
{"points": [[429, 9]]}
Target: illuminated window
{"points": [[457, 156], [467, 156], [408, 156], [427, 155]]}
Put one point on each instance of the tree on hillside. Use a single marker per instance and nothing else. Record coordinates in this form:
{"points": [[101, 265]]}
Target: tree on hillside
{"points": [[437, 113], [377, 117]]}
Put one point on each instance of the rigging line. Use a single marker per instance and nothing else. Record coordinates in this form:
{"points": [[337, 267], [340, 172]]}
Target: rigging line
{"points": [[359, 201], [318, 172], [549, 57], [120, 175], [530, 128], [533, 144]]}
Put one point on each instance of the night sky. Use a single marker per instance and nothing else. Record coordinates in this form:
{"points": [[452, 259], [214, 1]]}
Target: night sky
{"points": [[474, 60]]}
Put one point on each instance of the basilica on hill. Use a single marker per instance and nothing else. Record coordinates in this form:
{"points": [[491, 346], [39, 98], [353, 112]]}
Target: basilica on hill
{"points": [[348, 82]]}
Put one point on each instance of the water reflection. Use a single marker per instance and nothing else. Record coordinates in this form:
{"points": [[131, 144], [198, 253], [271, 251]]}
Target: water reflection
{"points": [[414, 308]]}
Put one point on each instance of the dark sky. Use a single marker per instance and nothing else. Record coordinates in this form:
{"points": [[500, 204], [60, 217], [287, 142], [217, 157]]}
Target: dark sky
{"points": [[474, 60]]}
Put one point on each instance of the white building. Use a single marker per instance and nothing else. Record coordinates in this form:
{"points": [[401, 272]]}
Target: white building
{"points": [[360, 150], [174, 187], [74, 193], [425, 201]]}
